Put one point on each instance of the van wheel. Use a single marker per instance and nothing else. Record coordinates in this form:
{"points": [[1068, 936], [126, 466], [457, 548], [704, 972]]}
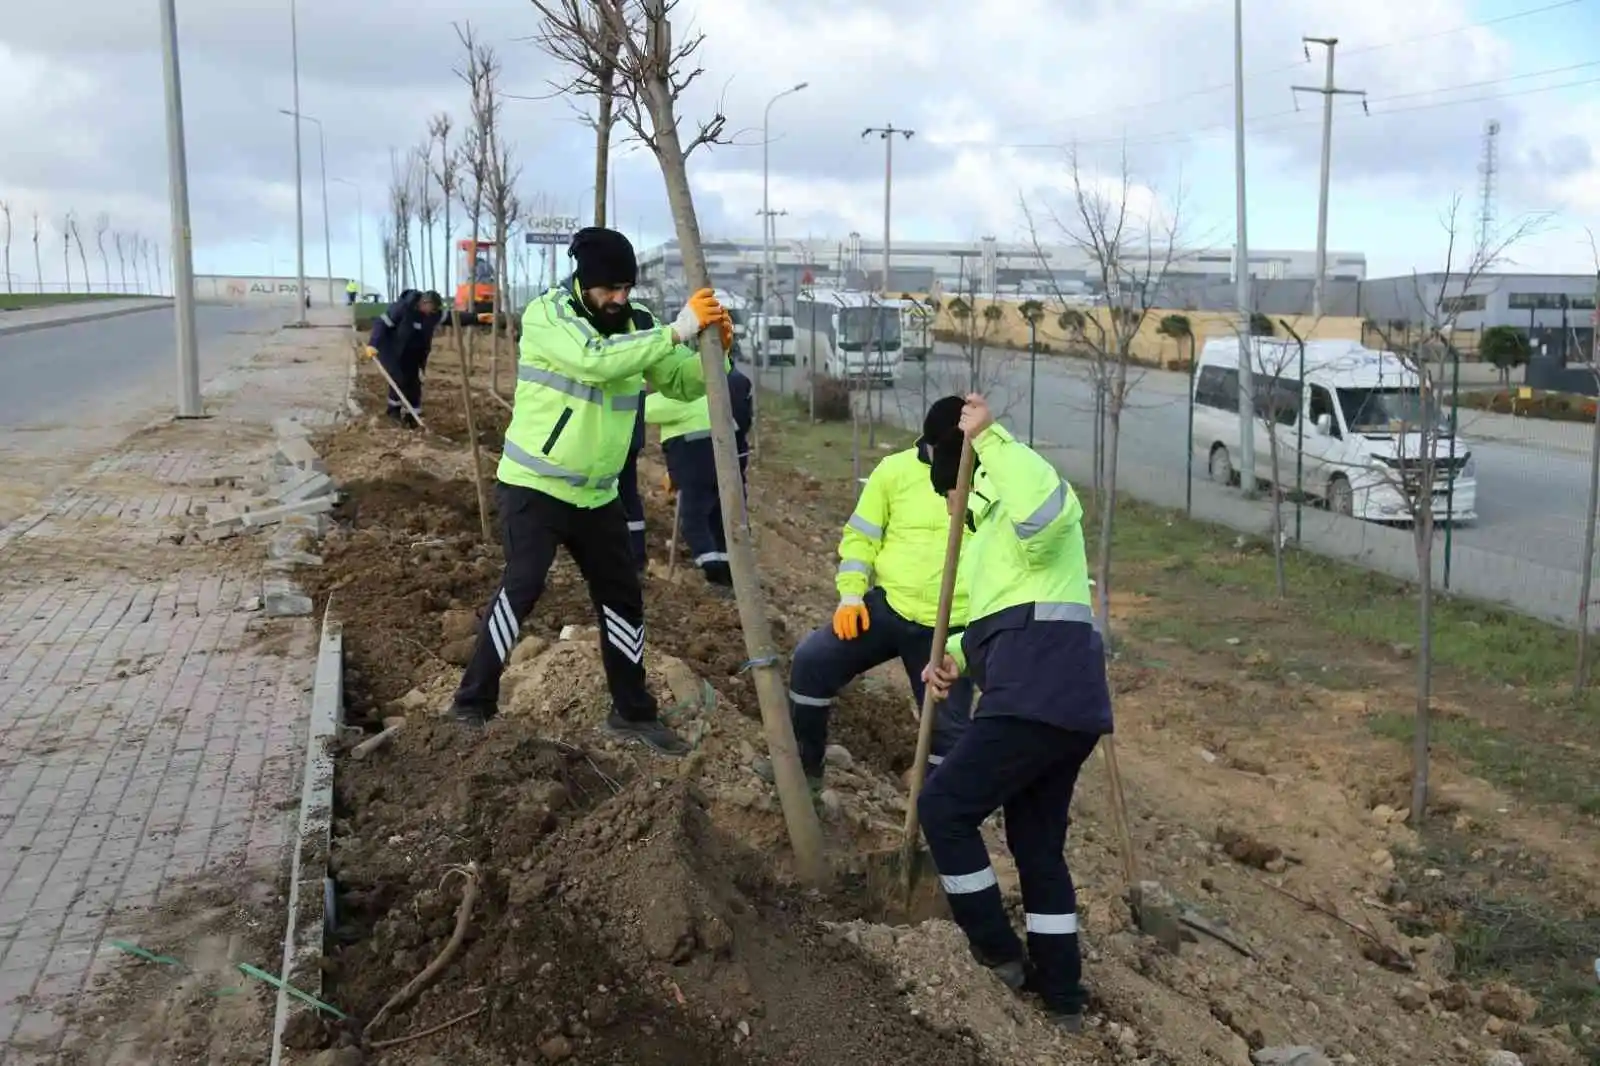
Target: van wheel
{"points": [[1341, 498], [1221, 466]]}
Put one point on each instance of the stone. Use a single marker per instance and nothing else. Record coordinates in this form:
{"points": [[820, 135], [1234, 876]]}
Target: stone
{"points": [[528, 649], [832, 803], [1412, 997], [1509, 1002], [283, 599], [837, 755], [1501, 1058], [457, 625], [556, 1049], [1300, 1055], [1455, 997], [311, 485], [297, 451]]}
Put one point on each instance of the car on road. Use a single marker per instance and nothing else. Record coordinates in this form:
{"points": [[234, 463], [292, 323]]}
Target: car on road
{"points": [[1349, 423]]}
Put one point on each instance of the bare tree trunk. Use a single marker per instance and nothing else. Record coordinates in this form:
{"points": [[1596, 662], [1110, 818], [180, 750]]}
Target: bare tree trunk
{"points": [[1108, 512], [1420, 740], [1277, 512], [800, 817], [602, 129]]}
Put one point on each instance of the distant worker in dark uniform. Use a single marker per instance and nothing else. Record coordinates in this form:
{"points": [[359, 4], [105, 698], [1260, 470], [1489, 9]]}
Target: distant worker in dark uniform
{"points": [[692, 469], [401, 339]]}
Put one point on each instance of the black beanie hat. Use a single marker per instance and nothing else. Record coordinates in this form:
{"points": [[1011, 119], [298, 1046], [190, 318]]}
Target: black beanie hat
{"points": [[604, 257], [940, 443]]}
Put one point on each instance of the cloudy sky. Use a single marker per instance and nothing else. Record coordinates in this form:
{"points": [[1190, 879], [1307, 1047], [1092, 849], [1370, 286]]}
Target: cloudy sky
{"points": [[995, 102]]}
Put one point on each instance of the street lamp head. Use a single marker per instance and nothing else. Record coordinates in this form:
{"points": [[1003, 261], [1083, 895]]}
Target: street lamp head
{"points": [[800, 86]]}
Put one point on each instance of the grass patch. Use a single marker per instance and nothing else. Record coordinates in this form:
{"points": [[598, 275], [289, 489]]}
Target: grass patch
{"points": [[1483, 899], [1477, 640], [1546, 773], [23, 301], [825, 450]]}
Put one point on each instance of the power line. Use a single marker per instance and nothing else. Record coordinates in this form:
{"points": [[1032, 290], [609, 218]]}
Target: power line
{"points": [[1266, 123], [1220, 86]]}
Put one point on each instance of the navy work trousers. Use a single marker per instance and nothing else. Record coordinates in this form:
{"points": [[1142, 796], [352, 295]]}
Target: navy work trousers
{"points": [[406, 371], [693, 466], [824, 664], [633, 507], [1028, 769]]}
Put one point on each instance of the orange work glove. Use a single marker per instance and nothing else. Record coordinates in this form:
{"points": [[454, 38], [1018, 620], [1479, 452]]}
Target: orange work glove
{"points": [[372, 353], [725, 327], [850, 619], [701, 311], [667, 486]]}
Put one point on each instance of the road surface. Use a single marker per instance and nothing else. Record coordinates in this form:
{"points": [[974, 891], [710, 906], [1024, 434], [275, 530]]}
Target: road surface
{"points": [[1531, 500], [73, 390]]}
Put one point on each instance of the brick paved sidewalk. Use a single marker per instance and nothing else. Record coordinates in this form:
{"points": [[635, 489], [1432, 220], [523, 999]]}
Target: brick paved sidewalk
{"points": [[149, 734]]}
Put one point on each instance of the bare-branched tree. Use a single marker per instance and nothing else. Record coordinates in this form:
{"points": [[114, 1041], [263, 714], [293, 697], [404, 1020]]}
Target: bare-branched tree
{"points": [[67, 225], [83, 259], [428, 207], [402, 209], [102, 226], [481, 70], [1427, 456], [1131, 249], [633, 41], [152, 263], [119, 240], [1275, 377], [38, 261], [5, 210], [444, 179]]}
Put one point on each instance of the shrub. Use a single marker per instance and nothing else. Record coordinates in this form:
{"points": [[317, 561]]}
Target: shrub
{"points": [[833, 400]]}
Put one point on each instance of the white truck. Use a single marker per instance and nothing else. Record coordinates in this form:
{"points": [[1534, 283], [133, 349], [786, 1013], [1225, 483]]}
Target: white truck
{"points": [[852, 336], [916, 329], [1352, 417], [771, 339]]}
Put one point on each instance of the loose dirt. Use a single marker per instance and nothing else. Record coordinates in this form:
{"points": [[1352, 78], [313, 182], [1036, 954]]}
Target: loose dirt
{"points": [[643, 911]]}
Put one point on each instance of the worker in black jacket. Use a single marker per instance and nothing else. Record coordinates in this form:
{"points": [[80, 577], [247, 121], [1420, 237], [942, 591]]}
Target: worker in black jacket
{"points": [[401, 339]]}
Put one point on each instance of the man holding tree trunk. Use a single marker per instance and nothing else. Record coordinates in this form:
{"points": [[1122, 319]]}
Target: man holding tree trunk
{"points": [[584, 358]]}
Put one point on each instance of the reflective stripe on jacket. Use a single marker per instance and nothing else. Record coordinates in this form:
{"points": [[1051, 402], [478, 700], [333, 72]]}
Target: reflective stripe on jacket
{"points": [[895, 540], [578, 394]]}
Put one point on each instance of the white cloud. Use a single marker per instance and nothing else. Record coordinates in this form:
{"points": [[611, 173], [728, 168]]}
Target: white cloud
{"points": [[969, 80]]}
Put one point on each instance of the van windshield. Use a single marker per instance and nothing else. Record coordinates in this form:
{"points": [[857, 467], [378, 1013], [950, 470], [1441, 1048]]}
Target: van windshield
{"points": [[1387, 411], [780, 333]]}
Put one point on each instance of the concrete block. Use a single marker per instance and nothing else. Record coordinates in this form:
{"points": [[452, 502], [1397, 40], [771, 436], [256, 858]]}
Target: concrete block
{"points": [[211, 536], [289, 541], [313, 486], [293, 561], [297, 451], [315, 524], [270, 515], [289, 427], [225, 518], [284, 599]]}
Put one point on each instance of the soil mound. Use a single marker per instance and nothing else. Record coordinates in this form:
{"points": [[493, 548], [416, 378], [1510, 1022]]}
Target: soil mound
{"points": [[692, 909]]}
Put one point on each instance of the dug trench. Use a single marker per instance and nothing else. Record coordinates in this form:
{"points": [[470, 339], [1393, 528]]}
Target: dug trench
{"points": [[631, 909]]}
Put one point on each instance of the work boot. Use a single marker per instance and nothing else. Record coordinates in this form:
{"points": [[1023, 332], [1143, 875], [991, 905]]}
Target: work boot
{"points": [[1013, 973], [653, 734], [1070, 1021], [472, 715]]}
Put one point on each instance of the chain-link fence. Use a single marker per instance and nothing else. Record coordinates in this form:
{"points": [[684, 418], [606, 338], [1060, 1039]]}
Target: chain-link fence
{"points": [[1525, 548]]}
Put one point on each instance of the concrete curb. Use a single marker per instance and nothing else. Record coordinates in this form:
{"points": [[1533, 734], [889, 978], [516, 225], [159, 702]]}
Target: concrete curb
{"points": [[95, 316], [308, 873]]}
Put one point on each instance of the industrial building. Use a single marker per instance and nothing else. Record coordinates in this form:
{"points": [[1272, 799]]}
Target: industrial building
{"points": [[984, 266]]}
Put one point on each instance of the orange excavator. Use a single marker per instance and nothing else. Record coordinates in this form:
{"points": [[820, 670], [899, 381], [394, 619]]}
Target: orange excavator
{"points": [[478, 267]]}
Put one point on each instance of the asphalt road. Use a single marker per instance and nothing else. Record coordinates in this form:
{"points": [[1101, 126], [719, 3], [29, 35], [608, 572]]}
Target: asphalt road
{"points": [[1531, 501], [59, 374]]}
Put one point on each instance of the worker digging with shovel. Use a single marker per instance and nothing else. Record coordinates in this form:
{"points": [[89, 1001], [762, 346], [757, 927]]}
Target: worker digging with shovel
{"points": [[1033, 648]]}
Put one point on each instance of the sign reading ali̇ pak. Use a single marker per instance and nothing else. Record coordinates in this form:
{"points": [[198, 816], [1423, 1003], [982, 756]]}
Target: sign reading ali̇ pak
{"points": [[552, 229]]}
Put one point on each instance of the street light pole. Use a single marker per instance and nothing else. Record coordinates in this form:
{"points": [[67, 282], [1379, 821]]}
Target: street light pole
{"points": [[766, 218], [299, 191], [361, 237], [1241, 269], [887, 133], [327, 233], [1328, 92], [182, 237]]}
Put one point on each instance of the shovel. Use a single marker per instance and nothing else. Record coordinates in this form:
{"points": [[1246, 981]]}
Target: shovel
{"points": [[412, 411], [672, 545], [910, 867]]}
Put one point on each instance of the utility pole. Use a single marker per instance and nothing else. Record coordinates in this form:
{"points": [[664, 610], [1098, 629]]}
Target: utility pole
{"points": [[1241, 270], [1328, 92], [887, 133], [1586, 584], [299, 190], [182, 237], [766, 233]]}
